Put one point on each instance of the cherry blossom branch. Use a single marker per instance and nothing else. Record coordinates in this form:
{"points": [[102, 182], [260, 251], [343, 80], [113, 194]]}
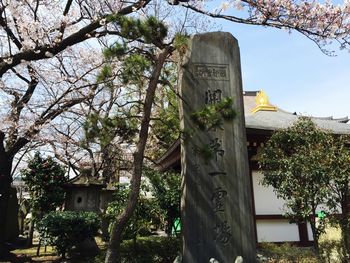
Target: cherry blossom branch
{"points": [[18, 105], [68, 5], [47, 51], [319, 22], [8, 31]]}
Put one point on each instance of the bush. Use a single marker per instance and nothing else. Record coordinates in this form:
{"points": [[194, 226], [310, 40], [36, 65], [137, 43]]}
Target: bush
{"points": [[45, 179], [63, 230], [331, 251], [287, 253], [150, 249], [166, 188], [144, 218]]}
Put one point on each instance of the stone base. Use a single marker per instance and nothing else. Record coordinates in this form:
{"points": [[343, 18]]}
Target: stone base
{"points": [[87, 248]]}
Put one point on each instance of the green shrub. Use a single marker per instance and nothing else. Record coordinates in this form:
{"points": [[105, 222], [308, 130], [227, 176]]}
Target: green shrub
{"points": [[331, 251], [145, 216], [63, 230], [45, 179], [150, 249], [287, 253]]}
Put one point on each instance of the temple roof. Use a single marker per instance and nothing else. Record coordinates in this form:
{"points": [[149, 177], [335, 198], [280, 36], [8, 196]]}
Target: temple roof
{"points": [[84, 179], [261, 118], [261, 115]]}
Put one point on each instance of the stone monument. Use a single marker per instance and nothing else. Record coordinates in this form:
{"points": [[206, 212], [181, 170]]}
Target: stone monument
{"points": [[217, 217]]}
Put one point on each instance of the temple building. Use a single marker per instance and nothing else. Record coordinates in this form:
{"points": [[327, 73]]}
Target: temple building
{"points": [[261, 119]]}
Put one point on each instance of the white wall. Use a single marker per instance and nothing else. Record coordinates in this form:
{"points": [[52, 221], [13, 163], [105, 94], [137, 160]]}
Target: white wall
{"points": [[309, 232], [276, 231], [266, 201]]}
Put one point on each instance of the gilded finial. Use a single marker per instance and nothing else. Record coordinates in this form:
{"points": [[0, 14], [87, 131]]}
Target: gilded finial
{"points": [[262, 103]]}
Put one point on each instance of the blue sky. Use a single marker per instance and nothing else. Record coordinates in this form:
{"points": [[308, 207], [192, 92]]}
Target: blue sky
{"points": [[291, 69]]}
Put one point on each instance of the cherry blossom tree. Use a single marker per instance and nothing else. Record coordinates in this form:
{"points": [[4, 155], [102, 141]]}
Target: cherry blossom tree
{"points": [[321, 22], [98, 134], [48, 65]]}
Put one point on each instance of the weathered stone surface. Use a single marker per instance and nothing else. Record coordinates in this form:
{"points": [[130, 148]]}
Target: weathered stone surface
{"points": [[216, 204]]}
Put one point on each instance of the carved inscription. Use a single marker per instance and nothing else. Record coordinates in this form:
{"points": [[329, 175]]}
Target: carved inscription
{"points": [[217, 198], [215, 147], [212, 71], [222, 232], [216, 173], [215, 206], [212, 97], [222, 229]]}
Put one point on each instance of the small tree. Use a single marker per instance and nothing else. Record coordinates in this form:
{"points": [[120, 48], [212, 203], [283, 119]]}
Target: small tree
{"points": [[65, 229], [339, 155], [166, 188], [146, 213], [45, 179], [309, 168], [296, 163]]}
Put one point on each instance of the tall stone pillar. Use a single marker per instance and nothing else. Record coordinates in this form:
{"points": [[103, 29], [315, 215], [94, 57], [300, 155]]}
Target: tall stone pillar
{"points": [[217, 218]]}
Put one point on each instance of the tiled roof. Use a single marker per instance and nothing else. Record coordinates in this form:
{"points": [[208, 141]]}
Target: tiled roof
{"points": [[280, 119]]}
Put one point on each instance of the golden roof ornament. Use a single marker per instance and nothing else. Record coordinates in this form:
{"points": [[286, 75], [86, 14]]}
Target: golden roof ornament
{"points": [[262, 103]]}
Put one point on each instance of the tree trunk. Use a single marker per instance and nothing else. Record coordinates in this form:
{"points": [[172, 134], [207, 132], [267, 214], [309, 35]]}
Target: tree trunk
{"points": [[345, 226], [345, 242], [134, 241], [6, 194], [113, 250], [38, 248], [315, 233], [29, 241]]}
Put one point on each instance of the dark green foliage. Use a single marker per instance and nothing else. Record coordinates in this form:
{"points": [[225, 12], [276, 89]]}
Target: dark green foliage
{"points": [[166, 126], [296, 163], [63, 230], [153, 30], [45, 179], [206, 152], [309, 167], [105, 73], [330, 248], [212, 116], [134, 66], [115, 50], [181, 43], [339, 155], [166, 188], [104, 130], [150, 30], [287, 253], [144, 217], [153, 249]]}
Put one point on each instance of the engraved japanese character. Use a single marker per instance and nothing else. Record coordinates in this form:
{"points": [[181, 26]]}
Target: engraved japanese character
{"points": [[215, 173], [212, 97], [215, 146], [218, 199], [195, 151], [222, 232]]}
